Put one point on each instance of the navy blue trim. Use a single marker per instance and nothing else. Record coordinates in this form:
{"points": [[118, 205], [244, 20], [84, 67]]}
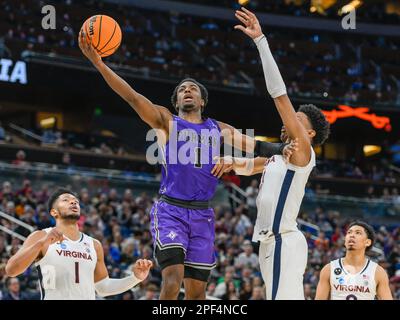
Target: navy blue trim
{"points": [[42, 292], [282, 199], [81, 237], [277, 265], [365, 266]]}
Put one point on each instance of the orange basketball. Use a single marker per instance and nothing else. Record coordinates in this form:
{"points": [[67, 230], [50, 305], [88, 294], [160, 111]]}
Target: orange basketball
{"points": [[105, 33]]}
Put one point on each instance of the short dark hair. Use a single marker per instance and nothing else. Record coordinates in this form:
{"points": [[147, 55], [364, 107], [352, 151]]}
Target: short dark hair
{"points": [[318, 121], [55, 195], [203, 91], [368, 230]]}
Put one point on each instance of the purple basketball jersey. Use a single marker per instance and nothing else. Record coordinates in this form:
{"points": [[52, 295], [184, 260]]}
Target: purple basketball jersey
{"points": [[188, 156]]}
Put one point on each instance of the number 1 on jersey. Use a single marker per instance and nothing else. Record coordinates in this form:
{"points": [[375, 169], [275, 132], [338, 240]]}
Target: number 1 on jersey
{"points": [[197, 154], [76, 272]]}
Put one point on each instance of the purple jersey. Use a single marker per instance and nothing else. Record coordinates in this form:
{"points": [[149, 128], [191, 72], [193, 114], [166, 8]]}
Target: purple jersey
{"points": [[188, 156]]}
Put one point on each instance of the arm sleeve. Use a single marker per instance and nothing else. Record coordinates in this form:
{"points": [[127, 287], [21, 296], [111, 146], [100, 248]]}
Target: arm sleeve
{"points": [[268, 149], [273, 78], [108, 287]]}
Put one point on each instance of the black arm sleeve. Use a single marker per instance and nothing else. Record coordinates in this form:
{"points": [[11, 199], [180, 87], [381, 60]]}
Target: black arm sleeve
{"points": [[268, 149]]}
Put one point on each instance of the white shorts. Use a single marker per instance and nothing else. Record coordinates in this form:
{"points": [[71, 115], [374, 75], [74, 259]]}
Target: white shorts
{"points": [[283, 261]]}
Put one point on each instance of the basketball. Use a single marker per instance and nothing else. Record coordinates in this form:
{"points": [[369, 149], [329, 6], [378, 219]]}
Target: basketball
{"points": [[105, 33]]}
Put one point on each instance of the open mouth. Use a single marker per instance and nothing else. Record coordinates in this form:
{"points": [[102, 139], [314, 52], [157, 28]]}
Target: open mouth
{"points": [[187, 98], [74, 209]]}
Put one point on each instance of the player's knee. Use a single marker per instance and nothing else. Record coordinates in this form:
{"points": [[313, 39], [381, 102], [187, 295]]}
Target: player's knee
{"points": [[172, 285]]}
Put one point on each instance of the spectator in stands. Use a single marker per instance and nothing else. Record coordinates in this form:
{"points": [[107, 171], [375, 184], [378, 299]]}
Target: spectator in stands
{"points": [[257, 294], [252, 193], [231, 292], [151, 293], [210, 292], [20, 159], [247, 257], [14, 292]]}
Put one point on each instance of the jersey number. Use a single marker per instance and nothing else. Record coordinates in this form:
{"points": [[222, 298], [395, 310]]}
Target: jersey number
{"points": [[197, 154], [76, 272], [49, 277]]}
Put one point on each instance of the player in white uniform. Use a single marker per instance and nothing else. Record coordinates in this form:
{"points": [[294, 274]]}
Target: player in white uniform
{"points": [[283, 248], [70, 264], [354, 277]]}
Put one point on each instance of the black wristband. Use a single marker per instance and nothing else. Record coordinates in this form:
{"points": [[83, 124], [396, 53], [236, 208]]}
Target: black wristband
{"points": [[268, 149]]}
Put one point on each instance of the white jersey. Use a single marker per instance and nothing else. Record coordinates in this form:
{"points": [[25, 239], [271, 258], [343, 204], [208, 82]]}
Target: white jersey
{"points": [[281, 193], [347, 286], [66, 272]]}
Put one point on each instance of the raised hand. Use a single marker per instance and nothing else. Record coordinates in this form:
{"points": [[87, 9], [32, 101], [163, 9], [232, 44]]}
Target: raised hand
{"points": [[52, 237], [85, 44], [251, 26], [142, 268], [288, 150]]}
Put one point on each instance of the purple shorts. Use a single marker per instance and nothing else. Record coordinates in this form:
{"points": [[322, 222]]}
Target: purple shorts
{"points": [[189, 229]]}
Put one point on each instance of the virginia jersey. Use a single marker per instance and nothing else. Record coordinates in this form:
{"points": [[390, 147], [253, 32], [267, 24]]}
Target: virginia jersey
{"points": [[188, 160], [347, 286], [281, 193], [66, 272]]}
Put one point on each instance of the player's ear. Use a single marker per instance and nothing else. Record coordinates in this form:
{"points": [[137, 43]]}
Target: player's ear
{"points": [[368, 243], [311, 133], [54, 213]]}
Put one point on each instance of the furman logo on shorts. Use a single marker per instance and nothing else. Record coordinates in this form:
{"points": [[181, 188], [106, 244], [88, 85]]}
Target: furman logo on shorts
{"points": [[172, 235]]}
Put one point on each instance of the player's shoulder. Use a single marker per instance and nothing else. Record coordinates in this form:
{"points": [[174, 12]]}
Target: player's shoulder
{"points": [[37, 234], [97, 244], [380, 272]]}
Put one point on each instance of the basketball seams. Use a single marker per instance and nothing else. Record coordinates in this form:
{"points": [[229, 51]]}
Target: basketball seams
{"points": [[115, 28], [115, 47], [98, 40]]}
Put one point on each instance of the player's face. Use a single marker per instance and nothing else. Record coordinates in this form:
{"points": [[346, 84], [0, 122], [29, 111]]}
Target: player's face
{"points": [[68, 207], [306, 124], [356, 239], [189, 97]]}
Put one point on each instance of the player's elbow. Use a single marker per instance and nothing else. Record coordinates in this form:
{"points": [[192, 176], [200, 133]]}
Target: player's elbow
{"points": [[11, 269]]}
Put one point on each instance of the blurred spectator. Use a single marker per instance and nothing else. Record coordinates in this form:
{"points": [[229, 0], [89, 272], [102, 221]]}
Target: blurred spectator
{"points": [[252, 193], [151, 293], [14, 292], [248, 257], [257, 294], [20, 159]]}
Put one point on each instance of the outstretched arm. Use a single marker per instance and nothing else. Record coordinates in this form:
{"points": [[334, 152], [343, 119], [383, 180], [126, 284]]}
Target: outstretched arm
{"points": [[155, 116], [246, 143], [276, 87], [241, 166], [324, 285], [106, 286]]}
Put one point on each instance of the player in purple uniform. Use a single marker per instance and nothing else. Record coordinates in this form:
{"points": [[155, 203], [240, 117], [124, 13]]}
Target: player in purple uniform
{"points": [[182, 221]]}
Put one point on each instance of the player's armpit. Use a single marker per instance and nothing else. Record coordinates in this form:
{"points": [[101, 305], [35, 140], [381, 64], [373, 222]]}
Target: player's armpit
{"points": [[383, 291], [324, 285]]}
